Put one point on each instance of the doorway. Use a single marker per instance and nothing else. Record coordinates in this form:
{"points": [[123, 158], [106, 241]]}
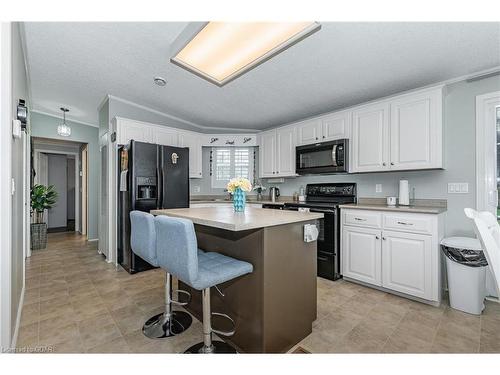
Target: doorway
{"points": [[63, 164], [488, 160]]}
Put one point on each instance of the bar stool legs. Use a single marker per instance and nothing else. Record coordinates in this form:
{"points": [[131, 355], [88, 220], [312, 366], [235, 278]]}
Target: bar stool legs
{"points": [[169, 323], [208, 346]]}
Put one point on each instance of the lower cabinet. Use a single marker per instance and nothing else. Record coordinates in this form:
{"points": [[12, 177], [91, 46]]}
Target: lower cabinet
{"points": [[406, 263], [401, 261], [362, 254]]}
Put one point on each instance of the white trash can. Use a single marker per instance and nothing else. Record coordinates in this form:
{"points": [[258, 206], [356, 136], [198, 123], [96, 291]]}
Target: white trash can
{"points": [[466, 268]]}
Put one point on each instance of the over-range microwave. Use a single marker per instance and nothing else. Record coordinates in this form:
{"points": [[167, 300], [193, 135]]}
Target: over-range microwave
{"points": [[327, 157]]}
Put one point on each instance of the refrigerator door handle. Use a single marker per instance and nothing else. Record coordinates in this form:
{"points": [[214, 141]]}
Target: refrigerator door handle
{"points": [[159, 192]]}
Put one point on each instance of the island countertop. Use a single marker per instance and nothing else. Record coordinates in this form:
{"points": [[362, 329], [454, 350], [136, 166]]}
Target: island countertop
{"points": [[226, 218]]}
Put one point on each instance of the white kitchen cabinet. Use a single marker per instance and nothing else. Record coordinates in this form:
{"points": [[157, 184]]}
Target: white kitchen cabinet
{"points": [[407, 263], [401, 133], [165, 136], [128, 130], [267, 153], [407, 247], [285, 152], [277, 152], [309, 131], [370, 138], [336, 126], [193, 142], [416, 131], [361, 254]]}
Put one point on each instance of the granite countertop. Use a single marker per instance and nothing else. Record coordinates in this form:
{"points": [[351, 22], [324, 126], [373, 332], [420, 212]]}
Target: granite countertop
{"points": [[423, 206], [226, 218]]}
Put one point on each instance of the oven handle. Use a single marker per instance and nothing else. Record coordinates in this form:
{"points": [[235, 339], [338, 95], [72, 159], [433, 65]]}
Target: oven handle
{"points": [[312, 210]]}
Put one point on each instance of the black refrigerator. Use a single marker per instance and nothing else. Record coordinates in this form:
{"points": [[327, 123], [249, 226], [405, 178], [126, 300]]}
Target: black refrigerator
{"points": [[149, 177]]}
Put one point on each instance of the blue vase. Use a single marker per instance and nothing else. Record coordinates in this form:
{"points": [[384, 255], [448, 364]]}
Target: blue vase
{"points": [[239, 200]]}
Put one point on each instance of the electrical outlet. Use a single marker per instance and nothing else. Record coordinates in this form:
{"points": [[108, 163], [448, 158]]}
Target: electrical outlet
{"points": [[458, 188], [378, 188]]}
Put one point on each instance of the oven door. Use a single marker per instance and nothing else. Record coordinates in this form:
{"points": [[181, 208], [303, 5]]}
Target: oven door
{"points": [[328, 157]]}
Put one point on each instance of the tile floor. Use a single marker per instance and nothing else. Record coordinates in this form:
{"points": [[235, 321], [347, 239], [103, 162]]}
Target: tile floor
{"points": [[75, 302]]}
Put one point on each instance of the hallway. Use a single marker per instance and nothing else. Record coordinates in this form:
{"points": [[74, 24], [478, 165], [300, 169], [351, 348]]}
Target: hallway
{"points": [[75, 302]]}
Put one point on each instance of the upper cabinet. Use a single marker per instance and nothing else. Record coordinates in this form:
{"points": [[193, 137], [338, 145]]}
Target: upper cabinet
{"points": [[127, 130], [416, 131], [194, 143], [309, 131], [165, 136], [277, 152], [369, 144], [402, 133], [326, 128]]}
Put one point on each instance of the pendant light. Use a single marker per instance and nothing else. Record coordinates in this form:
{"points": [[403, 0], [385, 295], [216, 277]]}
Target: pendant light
{"points": [[63, 129]]}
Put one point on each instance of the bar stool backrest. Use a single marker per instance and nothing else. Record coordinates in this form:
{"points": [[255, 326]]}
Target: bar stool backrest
{"points": [[488, 232], [143, 236], [177, 248]]}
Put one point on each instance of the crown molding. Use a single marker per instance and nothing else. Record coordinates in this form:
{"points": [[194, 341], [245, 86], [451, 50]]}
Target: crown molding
{"points": [[67, 118], [172, 117]]}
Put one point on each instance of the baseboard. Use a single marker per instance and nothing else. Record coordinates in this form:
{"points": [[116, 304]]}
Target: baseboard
{"points": [[493, 299], [18, 319], [92, 239]]}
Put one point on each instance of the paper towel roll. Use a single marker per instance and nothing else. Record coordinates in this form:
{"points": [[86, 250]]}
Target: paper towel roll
{"points": [[404, 193]]}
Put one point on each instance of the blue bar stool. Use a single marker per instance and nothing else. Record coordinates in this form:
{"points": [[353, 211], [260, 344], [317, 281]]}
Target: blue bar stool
{"points": [[144, 243], [200, 270]]}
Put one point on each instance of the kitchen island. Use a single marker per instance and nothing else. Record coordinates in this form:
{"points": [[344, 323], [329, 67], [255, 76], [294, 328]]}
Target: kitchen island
{"points": [[275, 305]]}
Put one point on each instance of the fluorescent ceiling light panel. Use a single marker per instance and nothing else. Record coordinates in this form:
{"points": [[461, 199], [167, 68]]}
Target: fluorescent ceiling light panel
{"points": [[222, 51]]}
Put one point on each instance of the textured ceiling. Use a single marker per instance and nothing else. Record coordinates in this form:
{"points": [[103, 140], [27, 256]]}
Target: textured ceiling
{"points": [[77, 64]]}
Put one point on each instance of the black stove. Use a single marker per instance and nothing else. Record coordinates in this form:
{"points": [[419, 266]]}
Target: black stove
{"points": [[326, 198]]}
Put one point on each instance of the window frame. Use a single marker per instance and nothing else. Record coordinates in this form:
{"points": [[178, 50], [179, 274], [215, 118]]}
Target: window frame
{"points": [[221, 184]]}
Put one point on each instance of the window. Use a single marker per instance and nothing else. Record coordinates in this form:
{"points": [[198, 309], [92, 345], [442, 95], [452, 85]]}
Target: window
{"points": [[230, 162]]}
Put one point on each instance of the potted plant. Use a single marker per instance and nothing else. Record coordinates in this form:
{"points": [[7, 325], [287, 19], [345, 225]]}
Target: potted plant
{"points": [[42, 198]]}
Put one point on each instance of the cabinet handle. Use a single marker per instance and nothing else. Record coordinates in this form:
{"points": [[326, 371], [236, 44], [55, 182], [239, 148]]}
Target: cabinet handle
{"points": [[316, 138], [392, 163], [384, 164], [359, 219], [323, 136], [403, 223], [273, 172], [383, 238], [377, 237]]}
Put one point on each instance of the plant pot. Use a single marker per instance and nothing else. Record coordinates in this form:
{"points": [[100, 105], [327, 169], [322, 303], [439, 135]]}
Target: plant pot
{"points": [[38, 236]]}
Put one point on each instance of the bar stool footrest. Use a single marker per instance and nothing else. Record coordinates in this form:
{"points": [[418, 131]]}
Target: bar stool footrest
{"points": [[178, 303], [224, 333], [218, 347]]}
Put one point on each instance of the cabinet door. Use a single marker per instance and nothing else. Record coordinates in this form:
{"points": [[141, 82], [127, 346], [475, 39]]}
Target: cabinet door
{"points": [[361, 254], [267, 154], [130, 130], [336, 126], [406, 263], [285, 152], [193, 142], [370, 138], [165, 136], [309, 132], [416, 131]]}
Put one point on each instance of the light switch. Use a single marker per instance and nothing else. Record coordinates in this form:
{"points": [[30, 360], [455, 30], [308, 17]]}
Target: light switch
{"points": [[378, 188], [458, 187]]}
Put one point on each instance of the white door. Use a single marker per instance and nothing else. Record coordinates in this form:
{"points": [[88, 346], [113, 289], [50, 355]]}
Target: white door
{"points": [[267, 153], [336, 126], [309, 132], [131, 130], [193, 142], [285, 155], [361, 254], [370, 138], [104, 214], [406, 263], [165, 136], [416, 131]]}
